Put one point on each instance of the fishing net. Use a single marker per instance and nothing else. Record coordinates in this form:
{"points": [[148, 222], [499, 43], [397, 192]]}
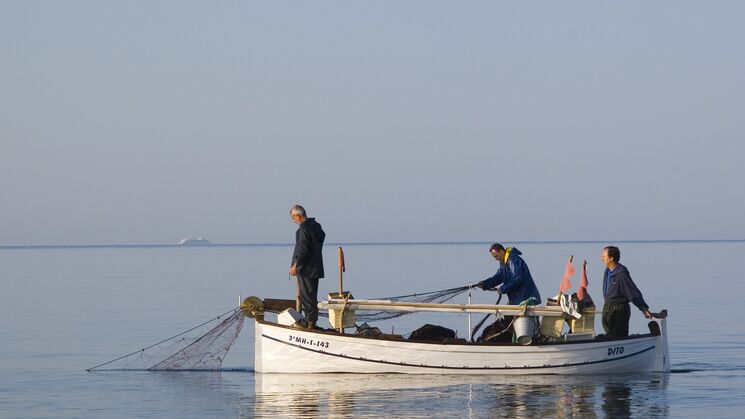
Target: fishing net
{"points": [[198, 348], [437, 297]]}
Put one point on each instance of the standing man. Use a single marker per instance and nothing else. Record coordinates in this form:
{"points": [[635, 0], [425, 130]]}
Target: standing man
{"points": [[307, 262], [618, 290], [513, 274]]}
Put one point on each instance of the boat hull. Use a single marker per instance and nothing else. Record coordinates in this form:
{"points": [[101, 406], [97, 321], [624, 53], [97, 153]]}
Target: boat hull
{"points": [[283, 349]]}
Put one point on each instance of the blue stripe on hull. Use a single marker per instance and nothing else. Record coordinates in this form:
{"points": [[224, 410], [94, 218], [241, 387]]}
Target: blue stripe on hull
{"points": [[461, 368]]}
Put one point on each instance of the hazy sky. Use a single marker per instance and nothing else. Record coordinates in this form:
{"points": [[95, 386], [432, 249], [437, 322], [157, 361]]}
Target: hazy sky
{"points": [[149, 121]]}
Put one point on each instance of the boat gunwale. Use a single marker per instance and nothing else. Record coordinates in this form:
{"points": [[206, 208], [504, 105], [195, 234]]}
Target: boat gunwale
{"points": [[333, 332]]}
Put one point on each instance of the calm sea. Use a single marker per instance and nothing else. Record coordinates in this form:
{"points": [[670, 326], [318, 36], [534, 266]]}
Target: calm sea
{"points": [[63, 310]]}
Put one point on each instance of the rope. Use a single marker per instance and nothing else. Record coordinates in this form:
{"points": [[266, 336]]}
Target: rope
{"points": [[490, 337], [525, 310], [344, 309], [481, 323]]}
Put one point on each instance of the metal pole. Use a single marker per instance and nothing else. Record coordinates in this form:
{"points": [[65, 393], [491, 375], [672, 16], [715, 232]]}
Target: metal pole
{"points": [[469, 313], [340, 254]]}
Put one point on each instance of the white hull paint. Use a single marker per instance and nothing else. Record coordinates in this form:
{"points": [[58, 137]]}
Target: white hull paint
{"points": [[283, 349]]}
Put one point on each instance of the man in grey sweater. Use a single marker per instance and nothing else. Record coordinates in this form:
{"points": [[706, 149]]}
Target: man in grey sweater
{"points": [[619, 289]]}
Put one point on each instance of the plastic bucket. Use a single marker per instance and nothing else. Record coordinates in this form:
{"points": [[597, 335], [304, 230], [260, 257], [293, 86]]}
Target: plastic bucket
{"points": [[524, 329]]}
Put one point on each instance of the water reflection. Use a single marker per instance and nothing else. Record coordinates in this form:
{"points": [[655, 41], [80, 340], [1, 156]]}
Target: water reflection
{"points": [[617, 401], [347, 395], [182, 394]]}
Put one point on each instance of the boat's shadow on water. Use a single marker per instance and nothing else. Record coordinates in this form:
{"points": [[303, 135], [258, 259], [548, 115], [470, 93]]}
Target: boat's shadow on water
{"points": [[391, 395]]}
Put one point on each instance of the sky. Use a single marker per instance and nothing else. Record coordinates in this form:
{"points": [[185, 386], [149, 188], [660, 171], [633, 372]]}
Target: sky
{"points": [[144, 122]]}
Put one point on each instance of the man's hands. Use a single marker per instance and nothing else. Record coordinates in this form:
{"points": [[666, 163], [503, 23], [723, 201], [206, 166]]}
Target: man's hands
{"points": [[481, 285], [293, 270]]}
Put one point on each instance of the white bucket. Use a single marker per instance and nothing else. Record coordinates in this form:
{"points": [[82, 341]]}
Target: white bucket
{"points": [[525, 329]]}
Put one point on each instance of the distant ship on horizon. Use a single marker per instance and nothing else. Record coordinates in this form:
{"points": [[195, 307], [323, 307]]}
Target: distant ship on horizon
{"points": [[194, 242]]}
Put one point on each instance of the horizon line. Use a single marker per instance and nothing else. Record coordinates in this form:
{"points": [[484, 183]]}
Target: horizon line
{"points": [[375, 243]]}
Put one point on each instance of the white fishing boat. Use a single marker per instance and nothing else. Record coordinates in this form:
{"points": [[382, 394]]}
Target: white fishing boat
{"points": [[281, 347], [558, 338]]}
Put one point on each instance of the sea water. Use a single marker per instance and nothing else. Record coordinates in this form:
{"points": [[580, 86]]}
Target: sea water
{"points": [[63, 310]]}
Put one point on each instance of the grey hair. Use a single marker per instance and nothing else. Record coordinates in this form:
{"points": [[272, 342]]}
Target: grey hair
{"points": [[297, 210]]}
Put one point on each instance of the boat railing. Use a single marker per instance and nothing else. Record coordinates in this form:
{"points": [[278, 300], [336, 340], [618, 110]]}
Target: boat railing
{"points": [[395, 306]]}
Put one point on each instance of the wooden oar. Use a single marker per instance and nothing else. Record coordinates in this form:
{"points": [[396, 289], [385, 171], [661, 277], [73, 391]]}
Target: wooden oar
{"points": [[297, 295], [342, 268]]}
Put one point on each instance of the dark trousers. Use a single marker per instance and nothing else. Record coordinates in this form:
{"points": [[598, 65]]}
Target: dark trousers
{"points": [[309, 297], [616, 319]]}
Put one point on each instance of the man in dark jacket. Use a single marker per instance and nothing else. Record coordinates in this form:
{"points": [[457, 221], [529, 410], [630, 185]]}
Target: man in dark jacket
{"points": [[619, 290], [513, 274], [307, 262]]}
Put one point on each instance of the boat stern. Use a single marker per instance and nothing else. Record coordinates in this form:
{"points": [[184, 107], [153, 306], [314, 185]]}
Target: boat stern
{"points": [[662, 353]]}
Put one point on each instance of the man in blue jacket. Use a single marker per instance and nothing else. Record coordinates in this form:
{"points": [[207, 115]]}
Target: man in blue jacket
{"points": [[514, 276], [307, 261], [619, 290]]}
